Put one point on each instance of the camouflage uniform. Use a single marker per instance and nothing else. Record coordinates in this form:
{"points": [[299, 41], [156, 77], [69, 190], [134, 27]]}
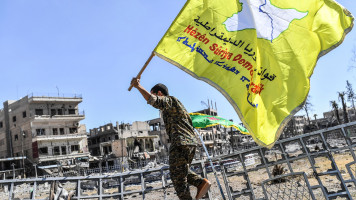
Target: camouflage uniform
{"points": [[180, 130]]}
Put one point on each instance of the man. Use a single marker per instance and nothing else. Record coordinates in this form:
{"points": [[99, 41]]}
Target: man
{"points": [[180, 130]]}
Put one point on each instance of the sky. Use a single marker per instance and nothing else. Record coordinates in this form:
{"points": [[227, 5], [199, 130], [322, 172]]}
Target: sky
{"points": [[94, 48]]}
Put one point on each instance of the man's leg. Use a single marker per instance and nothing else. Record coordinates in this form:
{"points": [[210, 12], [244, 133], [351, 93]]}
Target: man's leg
{"points": [[193, 178], [202, 185], [179, 169]]}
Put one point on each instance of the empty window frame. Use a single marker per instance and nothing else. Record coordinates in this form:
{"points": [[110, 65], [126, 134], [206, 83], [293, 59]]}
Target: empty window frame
{"points": [[40, 131], [24, 114], [61, 131], [55, 131], [38, 111], [73, 130], [71, 111], [64, 150], [74, 148], [43, 150], [59, 111], [56, 150]]}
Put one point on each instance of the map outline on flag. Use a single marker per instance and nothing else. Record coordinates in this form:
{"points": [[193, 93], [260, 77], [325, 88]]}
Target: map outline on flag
{"points": [[232, 23]]}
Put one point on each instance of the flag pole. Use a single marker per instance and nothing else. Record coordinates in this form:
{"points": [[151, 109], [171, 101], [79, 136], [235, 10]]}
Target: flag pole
{"points": [[143, 68], [211, 164]]}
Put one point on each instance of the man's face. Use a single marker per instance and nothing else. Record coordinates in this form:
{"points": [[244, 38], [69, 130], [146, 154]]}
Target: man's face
{"points": [[159, 93]]}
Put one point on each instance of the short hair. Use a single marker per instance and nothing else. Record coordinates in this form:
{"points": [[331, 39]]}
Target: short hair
{"points": [[160, 87]]}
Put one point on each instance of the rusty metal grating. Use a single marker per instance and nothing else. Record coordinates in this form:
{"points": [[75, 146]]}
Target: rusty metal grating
{"points": [[291, 186]]}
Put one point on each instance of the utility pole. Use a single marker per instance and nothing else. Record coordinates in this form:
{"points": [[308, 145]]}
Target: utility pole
{"points": [[35, 166], [100, 165], [57, 90], [122, 148], [13, 170], [232, 137], [23, 157]]}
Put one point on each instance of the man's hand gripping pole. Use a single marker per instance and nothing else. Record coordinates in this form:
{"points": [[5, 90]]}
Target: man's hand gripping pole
{"points": [[143, 68]]}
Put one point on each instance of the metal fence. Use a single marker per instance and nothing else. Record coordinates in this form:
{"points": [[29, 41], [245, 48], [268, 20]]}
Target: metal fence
{"points": [[318, 165], [54, 95]]}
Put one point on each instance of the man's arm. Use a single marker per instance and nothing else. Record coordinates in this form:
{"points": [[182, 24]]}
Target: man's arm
{"points": [[135, 82], [159, 102]]}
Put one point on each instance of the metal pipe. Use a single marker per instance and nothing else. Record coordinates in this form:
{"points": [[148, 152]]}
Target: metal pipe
{"points": [[211, 164]]}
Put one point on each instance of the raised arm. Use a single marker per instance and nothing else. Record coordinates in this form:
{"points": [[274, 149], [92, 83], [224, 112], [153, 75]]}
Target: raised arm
{"points": [[135, 82]]}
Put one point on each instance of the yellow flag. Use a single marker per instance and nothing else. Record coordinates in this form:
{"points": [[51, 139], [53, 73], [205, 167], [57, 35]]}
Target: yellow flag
{"points": [[259, 54]]}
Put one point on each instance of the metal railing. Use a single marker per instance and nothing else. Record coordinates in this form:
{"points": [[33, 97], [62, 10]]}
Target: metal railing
{"points": [[318, 165], [299, 154], [96, 187], [54, 95]]}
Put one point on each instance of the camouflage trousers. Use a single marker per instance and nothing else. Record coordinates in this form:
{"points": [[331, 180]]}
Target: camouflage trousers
{"points": [[180, 158]]}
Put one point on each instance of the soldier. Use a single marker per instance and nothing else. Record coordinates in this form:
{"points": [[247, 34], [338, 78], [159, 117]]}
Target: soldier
{"points": [[180, 130]]}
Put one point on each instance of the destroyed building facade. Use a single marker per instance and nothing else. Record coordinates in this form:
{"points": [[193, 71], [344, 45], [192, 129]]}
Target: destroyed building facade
{"points": [[147, 141], [113, 145], [42, 130], [351, 113], [294, 127], [217, 139], [157, 128]]}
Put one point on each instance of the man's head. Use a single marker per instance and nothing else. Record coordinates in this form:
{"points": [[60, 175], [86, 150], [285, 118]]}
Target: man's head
{"points": [[160, 90]]}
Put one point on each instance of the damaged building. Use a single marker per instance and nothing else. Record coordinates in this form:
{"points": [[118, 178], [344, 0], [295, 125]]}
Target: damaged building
{"points": [[114, 145], [216, 138], [43, 131], [335, 120], [123, 143], [157, 128]]}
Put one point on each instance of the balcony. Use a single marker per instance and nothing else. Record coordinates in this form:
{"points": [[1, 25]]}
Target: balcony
{"points": [[43, 158], [77, 136], [79, 116], [59, 98]]}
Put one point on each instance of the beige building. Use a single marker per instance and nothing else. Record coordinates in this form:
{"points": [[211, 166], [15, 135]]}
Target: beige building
{"points": [[45, 130]]}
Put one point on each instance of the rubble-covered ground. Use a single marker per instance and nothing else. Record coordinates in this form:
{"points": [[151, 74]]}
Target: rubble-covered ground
{"points": [[23, 191]]}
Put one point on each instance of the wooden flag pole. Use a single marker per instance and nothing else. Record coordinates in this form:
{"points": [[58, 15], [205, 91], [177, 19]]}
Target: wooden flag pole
{"points": [[143, 68]]}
